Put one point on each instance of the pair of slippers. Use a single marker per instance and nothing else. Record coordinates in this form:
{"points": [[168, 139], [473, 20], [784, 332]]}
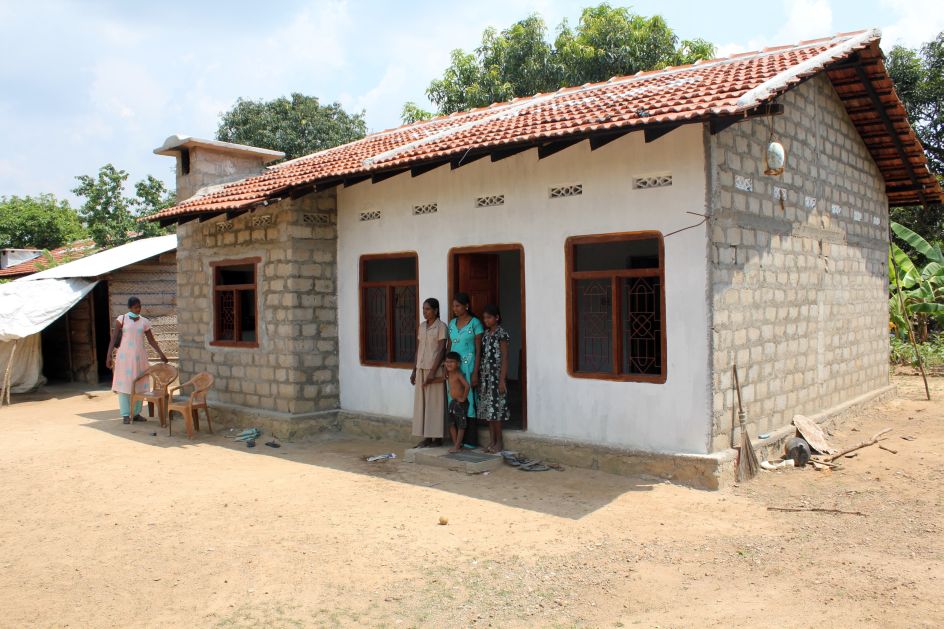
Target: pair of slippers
{"points": [[523, 463], [128, 420]]}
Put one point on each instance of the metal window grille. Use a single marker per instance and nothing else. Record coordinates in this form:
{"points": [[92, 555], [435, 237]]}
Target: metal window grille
{"points": [[570, 190], [490, 201], [653, 181], [809, 203], [370, 215], [835, 209], [225, 226]]}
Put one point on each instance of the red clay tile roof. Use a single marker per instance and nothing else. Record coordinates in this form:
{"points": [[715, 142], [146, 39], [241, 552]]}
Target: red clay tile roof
{"points": [[694, 93], [73, 251]]}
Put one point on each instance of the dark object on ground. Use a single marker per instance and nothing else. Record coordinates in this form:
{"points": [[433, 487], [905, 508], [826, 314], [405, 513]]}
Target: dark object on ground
{"points": [[138, 418], [273, 444], [815, 510], [747, 459], [153, 434], [125, 420], [798, 449], [251, 443]]}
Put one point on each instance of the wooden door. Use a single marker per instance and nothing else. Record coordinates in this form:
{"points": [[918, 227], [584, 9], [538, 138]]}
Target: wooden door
{"points": [[478, 276]]}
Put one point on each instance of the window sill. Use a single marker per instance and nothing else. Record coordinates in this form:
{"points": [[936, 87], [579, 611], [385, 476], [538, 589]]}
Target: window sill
{"points": [[613, 377], [370, 363], [240, 344]]}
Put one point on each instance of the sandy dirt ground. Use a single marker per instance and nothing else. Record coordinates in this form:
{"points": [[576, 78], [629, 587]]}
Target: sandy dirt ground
{"points": [[106, 525]]}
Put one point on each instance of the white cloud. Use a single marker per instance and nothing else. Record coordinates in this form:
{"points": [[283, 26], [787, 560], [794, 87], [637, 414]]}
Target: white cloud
{"points": [[918, 21], [804, 19]]}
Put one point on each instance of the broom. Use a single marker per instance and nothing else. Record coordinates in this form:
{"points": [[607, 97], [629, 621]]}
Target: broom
{"points": [[747, 460]]}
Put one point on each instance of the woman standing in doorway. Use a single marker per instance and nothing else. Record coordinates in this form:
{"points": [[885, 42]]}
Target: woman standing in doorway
{"points": [[465, 338], [429, 400], [131, 360]]}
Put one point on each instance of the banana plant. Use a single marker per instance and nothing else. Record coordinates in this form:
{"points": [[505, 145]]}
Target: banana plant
{"points": [[922, 288]]}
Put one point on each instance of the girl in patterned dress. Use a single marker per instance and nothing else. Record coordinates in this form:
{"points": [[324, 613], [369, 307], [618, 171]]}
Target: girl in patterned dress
{"points": [[493, 391], [131, 360]]}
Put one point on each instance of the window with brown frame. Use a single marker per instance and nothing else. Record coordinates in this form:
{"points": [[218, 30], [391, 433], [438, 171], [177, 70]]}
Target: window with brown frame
{"points": [[389, 309], [616, 307], [234, 303]]}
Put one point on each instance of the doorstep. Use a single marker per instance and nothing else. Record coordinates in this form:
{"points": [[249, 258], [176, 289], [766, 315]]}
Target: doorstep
{"points": [[466, 461]]}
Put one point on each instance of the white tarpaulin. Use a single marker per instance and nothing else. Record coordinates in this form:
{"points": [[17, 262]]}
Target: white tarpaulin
{"points": [[26, 371], [107, 261], [28, 307]]}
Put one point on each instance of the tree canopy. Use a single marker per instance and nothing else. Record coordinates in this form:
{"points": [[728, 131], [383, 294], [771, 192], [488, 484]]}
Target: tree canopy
{"points": [[37, 222], [298, 126], [918, 74], [521, 61], [111, 215]]}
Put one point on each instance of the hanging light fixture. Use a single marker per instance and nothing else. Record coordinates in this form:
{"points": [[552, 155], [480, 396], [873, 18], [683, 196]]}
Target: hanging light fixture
{"points": [[776, 158]]}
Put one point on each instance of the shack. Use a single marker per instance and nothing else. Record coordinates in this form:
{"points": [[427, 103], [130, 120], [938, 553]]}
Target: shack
{"points": [[59, 320]]}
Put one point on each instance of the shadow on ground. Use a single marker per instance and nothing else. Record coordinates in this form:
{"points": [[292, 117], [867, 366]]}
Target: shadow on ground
{"points": [[573, 493]]}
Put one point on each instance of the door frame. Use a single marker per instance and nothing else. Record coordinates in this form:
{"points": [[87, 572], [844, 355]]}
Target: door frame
{"points": [[452, 272]]}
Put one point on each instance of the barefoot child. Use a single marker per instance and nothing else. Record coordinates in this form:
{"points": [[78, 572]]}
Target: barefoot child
{"points": [[459, 400], [493, 391]]}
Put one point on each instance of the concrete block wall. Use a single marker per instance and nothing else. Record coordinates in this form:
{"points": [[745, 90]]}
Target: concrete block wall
{"points": [[210, 167], [295, 368], [798, 288]]}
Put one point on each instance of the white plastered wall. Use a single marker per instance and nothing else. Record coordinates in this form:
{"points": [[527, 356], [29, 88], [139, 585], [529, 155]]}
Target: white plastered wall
{"points": [[674, 416]]}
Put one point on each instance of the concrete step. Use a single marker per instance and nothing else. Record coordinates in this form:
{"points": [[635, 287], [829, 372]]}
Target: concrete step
{"points": [[467, 461]]}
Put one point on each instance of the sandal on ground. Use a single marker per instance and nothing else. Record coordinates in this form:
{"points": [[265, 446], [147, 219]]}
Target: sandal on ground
{"points": [[536, 466], [425, 443], [138, 418], [125, 420]]}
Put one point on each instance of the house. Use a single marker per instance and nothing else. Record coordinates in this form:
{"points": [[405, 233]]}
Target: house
{"points": [[16, 263], [60, 319], [627, 229]]}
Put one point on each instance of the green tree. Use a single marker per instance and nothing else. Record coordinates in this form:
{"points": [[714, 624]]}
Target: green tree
{"points": [[111, 216], [919, 80], [918, 74], [39, 222], [151, 196], [297, 126], [412, 112], [519, 61]]}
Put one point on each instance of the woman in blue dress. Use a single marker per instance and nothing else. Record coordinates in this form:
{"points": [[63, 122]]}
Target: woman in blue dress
{"points": [[465, 338]]}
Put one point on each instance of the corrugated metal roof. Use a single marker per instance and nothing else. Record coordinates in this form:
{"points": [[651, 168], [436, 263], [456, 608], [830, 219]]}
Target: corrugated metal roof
{"points": [[109, 260]]}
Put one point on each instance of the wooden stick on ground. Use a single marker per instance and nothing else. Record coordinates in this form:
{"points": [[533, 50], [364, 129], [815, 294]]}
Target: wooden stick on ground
{"points": [[864, 444], [816, 510], [887, 449]]}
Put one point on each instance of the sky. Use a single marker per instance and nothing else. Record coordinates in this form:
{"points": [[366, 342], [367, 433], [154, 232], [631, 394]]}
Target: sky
{"points": [[83, 84]]}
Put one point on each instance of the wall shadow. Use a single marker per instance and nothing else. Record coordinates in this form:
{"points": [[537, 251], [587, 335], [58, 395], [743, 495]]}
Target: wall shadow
{"points": [[572, 494]]}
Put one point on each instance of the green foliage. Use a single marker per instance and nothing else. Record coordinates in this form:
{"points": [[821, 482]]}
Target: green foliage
{"points": [[520, 61], [922, 288], [151, 196], [111, 216], [901, 352], [412, 112], [40, 222], [919, 81], [297, 126], [918, 74]]}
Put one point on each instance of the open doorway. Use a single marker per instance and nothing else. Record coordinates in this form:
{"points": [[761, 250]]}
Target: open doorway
{"points": [[102, 329], [494, 274]]}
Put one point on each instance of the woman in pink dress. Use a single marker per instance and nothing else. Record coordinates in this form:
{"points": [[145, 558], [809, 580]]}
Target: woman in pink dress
{"points": [[131, 360]]}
